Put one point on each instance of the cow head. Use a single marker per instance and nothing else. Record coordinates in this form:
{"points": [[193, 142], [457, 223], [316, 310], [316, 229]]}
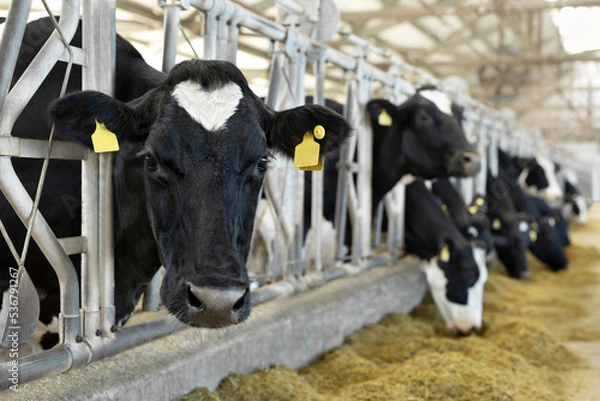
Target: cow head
{"points": [[575, 205], [547, 243], [538, 177], [479, 228], [424, 138], [456, 278], [200, 142], [511, 233]]}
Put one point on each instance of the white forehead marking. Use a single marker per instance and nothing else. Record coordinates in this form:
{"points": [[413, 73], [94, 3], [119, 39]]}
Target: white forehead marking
{"points": [[439, 99], [212, 108]]}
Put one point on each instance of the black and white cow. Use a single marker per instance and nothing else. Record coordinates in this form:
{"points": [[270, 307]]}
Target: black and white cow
{"points": [[424, 139], [547, 242], [421, 138], [194, 147], [510, 228], [454, 266]]}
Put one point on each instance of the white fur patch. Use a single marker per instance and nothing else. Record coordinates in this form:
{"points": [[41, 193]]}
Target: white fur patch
{"points": [[439, 99], [554, 191], [407, 179], [582, 217], [523, 226], [212, 109], [473, 231]]}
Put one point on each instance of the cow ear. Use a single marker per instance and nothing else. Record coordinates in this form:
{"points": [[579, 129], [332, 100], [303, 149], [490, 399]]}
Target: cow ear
{"points": [[380, 110], [75, 116], [286, 129]]}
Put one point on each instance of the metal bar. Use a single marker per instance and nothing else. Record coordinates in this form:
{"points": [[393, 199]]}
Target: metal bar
{"points": [[319, 69], [171, 35], [73, 245], [38, 149], [346, 158], [97, 278], [365, 160], [12, 37], [44, 61], [22, 203]]}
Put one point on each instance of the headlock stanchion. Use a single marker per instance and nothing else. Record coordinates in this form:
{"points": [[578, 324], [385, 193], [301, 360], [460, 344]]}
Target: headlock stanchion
{"points": [[294, 263]]}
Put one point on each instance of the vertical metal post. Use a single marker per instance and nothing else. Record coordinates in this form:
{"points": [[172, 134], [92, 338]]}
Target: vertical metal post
{"points": [[319, 68], [493, 148], [365, 161], [97, 281], [172, 11], [482, 148], [12, 36], [210, 35], [345, 174], [297, 67]]}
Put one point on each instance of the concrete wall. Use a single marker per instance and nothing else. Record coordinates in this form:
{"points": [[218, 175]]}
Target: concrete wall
{"points": [[291, 331]]}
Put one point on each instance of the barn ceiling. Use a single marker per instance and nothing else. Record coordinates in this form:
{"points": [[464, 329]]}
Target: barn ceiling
{"points": [[510, 52]]}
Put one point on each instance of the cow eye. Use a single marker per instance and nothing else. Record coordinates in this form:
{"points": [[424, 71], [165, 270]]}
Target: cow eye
{"points": [[151, 162], [262, 164]]}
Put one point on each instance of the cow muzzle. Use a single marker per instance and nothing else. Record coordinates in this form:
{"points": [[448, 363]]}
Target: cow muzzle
{"points": [[464, 164], [216, 307]]}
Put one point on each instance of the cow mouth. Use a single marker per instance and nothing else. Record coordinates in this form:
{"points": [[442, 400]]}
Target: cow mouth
{"points": [[464, 164]]}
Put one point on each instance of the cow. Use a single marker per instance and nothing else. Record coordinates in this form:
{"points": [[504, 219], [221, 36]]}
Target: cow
{"points": [[194, 148], [470, 220], [510, 228], [454, 266], [421, 138], [547, 243]]}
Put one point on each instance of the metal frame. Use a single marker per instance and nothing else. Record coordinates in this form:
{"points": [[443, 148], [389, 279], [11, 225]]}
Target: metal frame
{"points": [[86, 330]]}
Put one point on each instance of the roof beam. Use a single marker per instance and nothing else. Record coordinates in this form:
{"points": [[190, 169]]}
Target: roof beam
{"points": [[403, 13], [508, 60]]}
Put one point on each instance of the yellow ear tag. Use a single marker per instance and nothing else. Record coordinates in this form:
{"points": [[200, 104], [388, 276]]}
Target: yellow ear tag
{"points": [[473, 209], [444, 254], [306, 153], [479, 202], [103, 140], [319, 132], [384, 118], [532, 235], [496, 224], [317, 167]]}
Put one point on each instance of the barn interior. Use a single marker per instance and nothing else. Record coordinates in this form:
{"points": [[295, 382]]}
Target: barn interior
{"points": [[537, 62]]}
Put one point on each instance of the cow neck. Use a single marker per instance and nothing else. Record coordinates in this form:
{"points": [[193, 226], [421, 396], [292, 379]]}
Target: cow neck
{"points": [[451, 198], [388, 163], [426, 224], [136, 252]]}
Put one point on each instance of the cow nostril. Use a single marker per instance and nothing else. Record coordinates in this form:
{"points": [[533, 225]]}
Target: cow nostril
{"points": [[193, 301], [239, 305]]}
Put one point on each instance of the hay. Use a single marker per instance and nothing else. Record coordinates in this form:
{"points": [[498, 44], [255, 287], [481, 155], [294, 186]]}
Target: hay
{"points": [[518, 356], [277, 383]]}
